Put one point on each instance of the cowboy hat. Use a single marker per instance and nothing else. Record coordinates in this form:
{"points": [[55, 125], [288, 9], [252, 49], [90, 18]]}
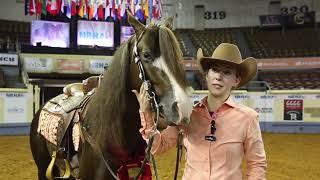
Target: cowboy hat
{"points": [[229, 53]]}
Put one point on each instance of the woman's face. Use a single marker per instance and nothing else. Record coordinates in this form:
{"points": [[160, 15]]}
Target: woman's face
{"points": [[221, 78]]}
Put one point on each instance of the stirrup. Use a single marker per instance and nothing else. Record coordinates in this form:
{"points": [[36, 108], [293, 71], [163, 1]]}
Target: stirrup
{"points": [[67, 172]]}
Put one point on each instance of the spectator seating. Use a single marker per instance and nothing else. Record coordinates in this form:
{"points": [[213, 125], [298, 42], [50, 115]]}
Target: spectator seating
{"points": [[207, 39], [12, 32], [302, 42]]}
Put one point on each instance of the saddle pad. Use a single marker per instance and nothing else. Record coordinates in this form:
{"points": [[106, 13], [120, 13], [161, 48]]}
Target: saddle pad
{"points": [[50, 125]]}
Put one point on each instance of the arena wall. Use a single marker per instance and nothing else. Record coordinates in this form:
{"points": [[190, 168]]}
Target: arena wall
{"points": [[280, 111]]}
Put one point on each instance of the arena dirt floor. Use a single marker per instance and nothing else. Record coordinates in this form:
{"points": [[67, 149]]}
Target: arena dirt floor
{"points": [[289, 156]]}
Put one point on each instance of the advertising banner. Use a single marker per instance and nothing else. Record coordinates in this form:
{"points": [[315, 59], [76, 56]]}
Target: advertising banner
{"points": [[15, 107], [8, 59], [70, 66], [293, 109], [270, 20], [38, 65], [262, 104], [97, 66], [299, 19]]}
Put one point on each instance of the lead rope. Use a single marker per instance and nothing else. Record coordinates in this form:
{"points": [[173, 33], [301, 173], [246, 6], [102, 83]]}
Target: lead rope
{"points": [[179, 153], [148, 151]]}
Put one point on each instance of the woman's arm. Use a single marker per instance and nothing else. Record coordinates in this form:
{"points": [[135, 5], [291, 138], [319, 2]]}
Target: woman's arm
{"points": [[254, 152], [162, 141]]}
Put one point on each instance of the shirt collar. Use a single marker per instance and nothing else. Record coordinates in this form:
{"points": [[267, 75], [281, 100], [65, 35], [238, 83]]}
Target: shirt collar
{"points": [[204, 102]]}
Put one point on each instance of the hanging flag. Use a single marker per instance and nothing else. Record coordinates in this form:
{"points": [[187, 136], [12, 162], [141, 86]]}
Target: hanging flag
{"points": [[53, 9], [157, 9], [108, 9], [81, 6], [90, 9], [123, 8], [85, 9], [48, 6], [150, 9], [73, 7], [101, 10], [146, 9], [132, 5], [138, 11], [62, 4], [59, 5], [32, 8], [113, 9], [95, 9], [44, 7], [38, 6], [26, 7], [68, 8]]}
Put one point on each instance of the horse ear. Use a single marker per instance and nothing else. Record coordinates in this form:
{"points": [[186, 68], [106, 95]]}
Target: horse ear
{"points": [[137, 25], [169, 23]]}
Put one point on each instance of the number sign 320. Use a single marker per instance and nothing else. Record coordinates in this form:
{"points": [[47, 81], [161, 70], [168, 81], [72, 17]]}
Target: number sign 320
{"points": [[215, 15]]}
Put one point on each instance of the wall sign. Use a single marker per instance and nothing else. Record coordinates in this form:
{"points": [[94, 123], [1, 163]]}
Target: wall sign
{"points": [[215, 15], [8, 59], [38, 65]]}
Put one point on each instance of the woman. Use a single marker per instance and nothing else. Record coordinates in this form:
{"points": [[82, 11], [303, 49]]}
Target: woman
{"points": [[221, 133]]}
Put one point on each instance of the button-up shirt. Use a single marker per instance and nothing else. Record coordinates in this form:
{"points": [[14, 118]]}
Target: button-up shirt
{"points": [[238, 136]]}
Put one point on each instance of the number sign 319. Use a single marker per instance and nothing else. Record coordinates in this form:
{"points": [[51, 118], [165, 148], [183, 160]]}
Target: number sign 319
{"points": [[215, 15]]}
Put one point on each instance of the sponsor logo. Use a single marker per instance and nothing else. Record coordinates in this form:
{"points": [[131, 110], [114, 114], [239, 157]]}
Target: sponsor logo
{"points": [[14, 95]]}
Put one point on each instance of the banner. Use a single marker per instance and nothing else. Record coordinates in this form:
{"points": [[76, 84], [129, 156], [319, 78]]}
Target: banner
{"points": [[277, 106], [270, 20], [70, 66], [293, 109], [38, 65], [97, 66], [299, 19], [289, 63], [15, 107], [8, 59]]}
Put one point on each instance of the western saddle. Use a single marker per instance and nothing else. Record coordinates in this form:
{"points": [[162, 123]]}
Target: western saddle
{"points": [[66, 110]]}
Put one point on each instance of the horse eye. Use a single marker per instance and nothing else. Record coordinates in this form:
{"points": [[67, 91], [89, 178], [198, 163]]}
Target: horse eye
{"points": [[147, 56]]}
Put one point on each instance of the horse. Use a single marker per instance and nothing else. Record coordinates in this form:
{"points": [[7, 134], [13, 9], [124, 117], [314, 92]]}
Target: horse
{"points": [[111, 117]]}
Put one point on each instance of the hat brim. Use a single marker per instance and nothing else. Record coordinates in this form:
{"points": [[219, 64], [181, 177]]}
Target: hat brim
{"points": [[247, 68]]}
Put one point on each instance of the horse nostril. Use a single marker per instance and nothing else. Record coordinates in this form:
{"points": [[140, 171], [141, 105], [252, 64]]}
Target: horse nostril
{"points": [[175, 106]]}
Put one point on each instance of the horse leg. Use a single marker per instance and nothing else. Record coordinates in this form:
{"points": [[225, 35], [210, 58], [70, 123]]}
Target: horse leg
{"points": [[39, 149]]}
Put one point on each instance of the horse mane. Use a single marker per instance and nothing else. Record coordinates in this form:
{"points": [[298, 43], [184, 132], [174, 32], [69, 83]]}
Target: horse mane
{"points": [[108, 106], [171, 52]]}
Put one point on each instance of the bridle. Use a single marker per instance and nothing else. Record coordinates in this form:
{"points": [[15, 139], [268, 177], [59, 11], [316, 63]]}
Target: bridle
{"points": [[152, 95]]}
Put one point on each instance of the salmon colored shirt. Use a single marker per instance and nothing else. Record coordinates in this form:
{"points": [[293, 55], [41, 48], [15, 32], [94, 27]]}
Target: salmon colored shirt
{"points": [[238, 136]]}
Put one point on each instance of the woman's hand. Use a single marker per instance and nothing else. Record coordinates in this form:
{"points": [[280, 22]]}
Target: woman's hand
{"points": [[143, 99]]}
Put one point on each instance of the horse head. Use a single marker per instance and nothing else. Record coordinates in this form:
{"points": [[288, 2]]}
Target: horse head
{"points": [[162, 65]]}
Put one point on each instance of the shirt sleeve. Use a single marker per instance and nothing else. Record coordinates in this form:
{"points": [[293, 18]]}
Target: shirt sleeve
{"points": [[254, 152], [164, 140]]}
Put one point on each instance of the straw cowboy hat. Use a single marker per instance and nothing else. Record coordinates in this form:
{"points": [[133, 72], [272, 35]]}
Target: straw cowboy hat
{"points": [[230, 53]]}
